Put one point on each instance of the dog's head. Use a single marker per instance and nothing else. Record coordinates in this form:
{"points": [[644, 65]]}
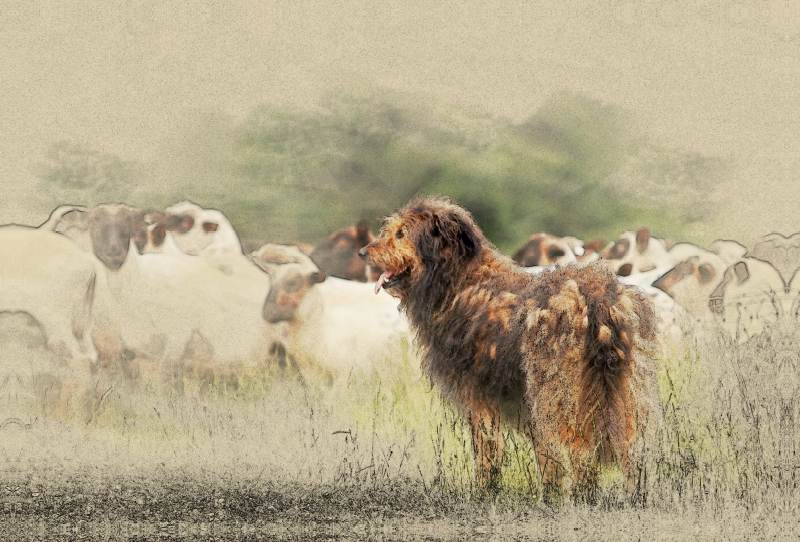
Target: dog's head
{"points": [[428, 239]]}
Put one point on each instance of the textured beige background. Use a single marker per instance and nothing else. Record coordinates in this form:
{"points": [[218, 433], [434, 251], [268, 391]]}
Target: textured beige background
{"points": [[715, 77], [720, 78]]}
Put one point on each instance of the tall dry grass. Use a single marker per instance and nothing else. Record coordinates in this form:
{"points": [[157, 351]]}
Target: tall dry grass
{"points": [[726, 447]]}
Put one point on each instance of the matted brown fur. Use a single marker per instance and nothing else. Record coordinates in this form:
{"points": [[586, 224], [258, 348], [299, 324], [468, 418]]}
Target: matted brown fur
{"points": [[565, 356]]}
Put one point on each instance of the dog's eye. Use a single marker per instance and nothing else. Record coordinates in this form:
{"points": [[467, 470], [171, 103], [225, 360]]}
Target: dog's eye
{"points": [[399, 234]]}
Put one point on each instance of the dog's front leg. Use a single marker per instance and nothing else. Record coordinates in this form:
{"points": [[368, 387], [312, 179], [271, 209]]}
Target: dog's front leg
{"points": [[487, 444]]}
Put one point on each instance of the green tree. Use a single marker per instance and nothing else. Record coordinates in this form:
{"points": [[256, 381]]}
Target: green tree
{"points": [[566, 170]]}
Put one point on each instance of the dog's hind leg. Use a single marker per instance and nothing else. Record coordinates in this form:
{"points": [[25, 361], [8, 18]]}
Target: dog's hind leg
{"points": [[487, 444], [551, 469], [552, 457]]}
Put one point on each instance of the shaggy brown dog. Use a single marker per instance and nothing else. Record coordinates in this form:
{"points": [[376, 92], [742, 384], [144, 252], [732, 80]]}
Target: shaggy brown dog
{"points": [[565, 356]]}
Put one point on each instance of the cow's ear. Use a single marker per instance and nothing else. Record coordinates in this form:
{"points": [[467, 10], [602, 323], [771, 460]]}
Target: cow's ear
{"points": [[530, 254], [158, 234], [642, 239], [741, 271], [554, 252], [593, 246], [707, 273], [362, 231]]}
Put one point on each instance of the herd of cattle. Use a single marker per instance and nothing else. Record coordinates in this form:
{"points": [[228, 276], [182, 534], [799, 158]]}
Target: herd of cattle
{"points": [[107, 284]]}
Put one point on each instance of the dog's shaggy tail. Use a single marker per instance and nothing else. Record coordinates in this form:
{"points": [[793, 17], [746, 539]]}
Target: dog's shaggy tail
{"points": [[617, 318], [589, 374]]}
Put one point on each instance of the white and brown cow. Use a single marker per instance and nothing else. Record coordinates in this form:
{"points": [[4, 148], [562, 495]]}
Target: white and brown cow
{"points": [[751, 298], [543, 249], [47, 276], [636, 252]]}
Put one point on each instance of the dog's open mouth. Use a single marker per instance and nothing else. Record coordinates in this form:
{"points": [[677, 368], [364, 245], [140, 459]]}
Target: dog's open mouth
{"points": [[388, 279]]}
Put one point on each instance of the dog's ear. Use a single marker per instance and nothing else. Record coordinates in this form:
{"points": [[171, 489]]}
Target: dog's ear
{"points": [[450, 236], [469, 243]]}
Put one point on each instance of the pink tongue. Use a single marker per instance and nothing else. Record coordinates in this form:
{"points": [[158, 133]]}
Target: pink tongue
{"points": [[386, 275]]}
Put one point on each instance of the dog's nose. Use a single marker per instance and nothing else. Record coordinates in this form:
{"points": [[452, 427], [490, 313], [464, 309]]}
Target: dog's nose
{"points": [[363, 253]]}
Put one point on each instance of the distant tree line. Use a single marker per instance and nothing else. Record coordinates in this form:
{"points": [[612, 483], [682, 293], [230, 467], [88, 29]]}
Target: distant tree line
{"points": [[574, 167], [72, 167]]}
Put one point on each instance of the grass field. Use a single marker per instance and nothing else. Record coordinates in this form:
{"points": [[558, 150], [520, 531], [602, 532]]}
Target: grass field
{"points": [[262, 453]]}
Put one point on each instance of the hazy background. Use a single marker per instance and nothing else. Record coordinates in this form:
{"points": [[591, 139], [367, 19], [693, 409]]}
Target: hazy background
{"points": [[169, 92]]}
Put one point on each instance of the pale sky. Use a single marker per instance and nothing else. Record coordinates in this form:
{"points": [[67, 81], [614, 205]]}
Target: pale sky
{"points": [[720, 78]]}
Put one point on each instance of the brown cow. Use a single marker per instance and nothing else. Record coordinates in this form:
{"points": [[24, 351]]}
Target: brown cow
{"points": [[338, 254]]}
